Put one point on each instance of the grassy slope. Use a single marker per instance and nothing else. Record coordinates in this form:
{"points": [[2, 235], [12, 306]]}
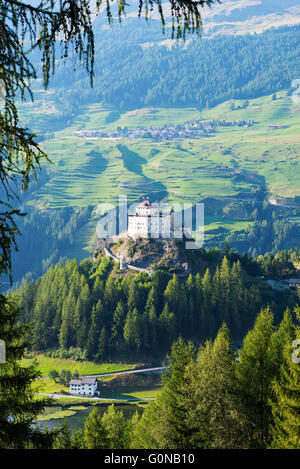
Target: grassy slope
{"points": [[91, 171], [48, 386], [45, 364]]}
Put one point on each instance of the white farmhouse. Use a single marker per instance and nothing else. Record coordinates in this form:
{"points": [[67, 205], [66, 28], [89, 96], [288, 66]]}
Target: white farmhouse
{"points": [[294, 282], [151, 221], [85, 386]]}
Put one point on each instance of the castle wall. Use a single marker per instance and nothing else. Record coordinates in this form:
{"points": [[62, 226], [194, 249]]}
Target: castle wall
{"points": [[150, 226]]}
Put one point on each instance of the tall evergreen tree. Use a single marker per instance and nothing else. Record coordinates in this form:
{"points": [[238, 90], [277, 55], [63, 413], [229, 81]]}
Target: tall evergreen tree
{"points": [[168, 326], [102, 345], [132, 330], [211, 397], [255, 375], [171, 414], [114, 424], [118, 322], [94, 331], [18, 406], [286, 404], [95, 436]]}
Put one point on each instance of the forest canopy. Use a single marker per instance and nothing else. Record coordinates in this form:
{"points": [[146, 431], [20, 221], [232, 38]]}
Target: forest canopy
{"points": [[134, 67]]}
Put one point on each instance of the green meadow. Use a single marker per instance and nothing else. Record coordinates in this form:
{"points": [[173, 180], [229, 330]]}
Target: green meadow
{"points": [[88, 171], [45, 364], [229, 163]]}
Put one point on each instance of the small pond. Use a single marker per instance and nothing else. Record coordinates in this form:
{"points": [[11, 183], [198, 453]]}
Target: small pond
{"points": [[76, 414]]}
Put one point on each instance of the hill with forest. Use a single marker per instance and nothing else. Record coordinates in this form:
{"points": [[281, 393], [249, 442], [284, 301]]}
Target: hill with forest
{"points": [[112, 314], [137, 66]]}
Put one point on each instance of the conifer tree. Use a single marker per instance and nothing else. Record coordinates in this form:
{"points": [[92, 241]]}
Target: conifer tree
{"points": [[118, 322], [98, 290], [211, 397], [91, 344], [18, 407], [81, 313], [153, 329], [152, 299], [283, 336], [206, 312], [148, 430], [239, 322], [286, 404], [64, 437], [131, 424], [114, 424], [168, 326], [67, 333], [162, 424], [171, 414], [102, 344], [95, 436], [255, 375], [132, 330], [94, 331]]}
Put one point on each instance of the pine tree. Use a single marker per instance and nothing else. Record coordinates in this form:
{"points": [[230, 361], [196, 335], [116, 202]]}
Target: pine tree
{"points": [[286, 405], [78, 439], [206, 311], [132, 330], [118, 322], [283, 336], [94, 331], [81, 314], [147, 432], [153, 329], [95, 436], [255, 374], [18, 407], [168, 327], [190, 316], [67, 333], [162, 424], [130, 427], [174, 432], [102, 345], [114, 424], [98, 290], [64, 437], [236, 300], [175, 299], [211, 399]]}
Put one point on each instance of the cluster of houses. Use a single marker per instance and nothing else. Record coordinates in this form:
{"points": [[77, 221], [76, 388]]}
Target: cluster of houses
{"points": [[190, 129]]}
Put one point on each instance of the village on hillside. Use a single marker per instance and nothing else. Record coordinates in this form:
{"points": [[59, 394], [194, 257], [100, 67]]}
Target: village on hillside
{"points": [[190, 129]]}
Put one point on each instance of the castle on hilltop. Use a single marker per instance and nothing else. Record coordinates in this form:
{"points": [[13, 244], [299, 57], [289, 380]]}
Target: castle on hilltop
{"points": [[151, 221]]}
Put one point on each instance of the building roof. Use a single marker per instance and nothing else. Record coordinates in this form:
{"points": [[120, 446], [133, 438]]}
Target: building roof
{"points": [[75, 381], [87, 380], [84, 380], [144, 203]]}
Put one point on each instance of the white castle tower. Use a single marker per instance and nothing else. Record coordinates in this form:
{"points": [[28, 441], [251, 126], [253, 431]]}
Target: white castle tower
{"points": [[151, 221]]}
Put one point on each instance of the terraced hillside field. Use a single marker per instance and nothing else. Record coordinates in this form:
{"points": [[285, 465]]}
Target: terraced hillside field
{"points": [[232, 169], [230, 162]]}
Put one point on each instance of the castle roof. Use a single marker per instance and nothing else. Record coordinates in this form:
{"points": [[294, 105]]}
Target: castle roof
{"points": [[144, 203]]}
